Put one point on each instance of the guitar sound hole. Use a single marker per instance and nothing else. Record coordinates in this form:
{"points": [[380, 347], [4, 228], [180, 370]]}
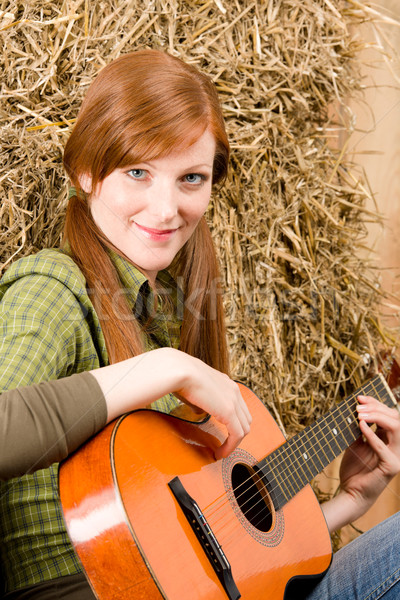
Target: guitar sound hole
{"points": [[252, 497]]}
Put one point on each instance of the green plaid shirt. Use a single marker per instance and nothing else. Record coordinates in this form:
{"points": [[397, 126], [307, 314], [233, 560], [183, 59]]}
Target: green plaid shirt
{"points": [[49, 329]]}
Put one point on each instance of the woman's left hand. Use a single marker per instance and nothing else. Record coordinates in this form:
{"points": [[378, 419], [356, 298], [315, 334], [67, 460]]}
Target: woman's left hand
{"points": [[374, 459]]}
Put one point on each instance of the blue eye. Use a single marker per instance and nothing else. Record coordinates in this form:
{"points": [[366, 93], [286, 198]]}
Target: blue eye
{"points": [[137, 173], [194, 178]]}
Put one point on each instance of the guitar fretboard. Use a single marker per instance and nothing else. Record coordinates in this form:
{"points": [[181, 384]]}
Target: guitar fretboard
{"points": [[294, 464]]}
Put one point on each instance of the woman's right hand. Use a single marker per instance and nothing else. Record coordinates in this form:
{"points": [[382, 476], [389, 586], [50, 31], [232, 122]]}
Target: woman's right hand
{"points": [[215, 393], [139, 381]]}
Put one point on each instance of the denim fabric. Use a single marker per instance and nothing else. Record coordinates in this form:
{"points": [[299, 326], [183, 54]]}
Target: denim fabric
{"points": [[366, 569]]}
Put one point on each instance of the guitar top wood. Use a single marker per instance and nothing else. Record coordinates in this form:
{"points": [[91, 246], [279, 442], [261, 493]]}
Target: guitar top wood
{"points": [[133, 538]]}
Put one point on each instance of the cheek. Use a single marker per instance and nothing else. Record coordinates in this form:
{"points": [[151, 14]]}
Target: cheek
{"points": [[105, 211], [197, 209]]}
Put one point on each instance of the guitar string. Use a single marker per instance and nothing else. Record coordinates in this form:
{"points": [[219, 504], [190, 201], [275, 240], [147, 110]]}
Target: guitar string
{"points": [[283, 461], [333, 412], [345, 405], [262, 501], [388, 395]]}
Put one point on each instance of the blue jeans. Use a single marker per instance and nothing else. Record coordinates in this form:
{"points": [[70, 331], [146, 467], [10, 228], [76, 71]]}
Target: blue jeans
{"points": [[366, 569]]}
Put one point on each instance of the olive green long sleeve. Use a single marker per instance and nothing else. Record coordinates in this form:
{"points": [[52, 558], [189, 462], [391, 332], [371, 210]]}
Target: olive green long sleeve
{"points": [[43, 423]]}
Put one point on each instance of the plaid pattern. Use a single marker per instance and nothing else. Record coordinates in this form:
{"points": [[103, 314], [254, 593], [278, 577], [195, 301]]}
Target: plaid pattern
{"points": [[49, 329]]}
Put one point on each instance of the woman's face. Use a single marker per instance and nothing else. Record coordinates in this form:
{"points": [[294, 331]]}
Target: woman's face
{"points": [[150, 209]]}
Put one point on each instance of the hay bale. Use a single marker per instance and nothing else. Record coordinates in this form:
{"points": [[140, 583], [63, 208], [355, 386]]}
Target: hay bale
{"points": [[302, 306]]}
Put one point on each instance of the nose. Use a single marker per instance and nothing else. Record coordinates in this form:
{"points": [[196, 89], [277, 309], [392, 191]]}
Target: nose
{"points": [[164, 202]]}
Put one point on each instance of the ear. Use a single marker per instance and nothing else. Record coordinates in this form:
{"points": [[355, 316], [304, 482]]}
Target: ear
{"points": [[85, 181]]}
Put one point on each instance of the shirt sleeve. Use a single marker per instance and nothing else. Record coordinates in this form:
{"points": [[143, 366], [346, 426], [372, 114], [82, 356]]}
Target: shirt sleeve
{"points": [[43, 423], [43, 333]]}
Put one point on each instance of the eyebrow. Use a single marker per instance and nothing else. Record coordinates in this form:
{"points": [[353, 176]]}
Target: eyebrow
{"points": [[190, 168], [200, 166]]}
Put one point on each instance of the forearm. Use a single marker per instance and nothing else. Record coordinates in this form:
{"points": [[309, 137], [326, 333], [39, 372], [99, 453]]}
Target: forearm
{"points": [[43, 423], [137, 382], [56, 417], [340, 511], [348, 506]]}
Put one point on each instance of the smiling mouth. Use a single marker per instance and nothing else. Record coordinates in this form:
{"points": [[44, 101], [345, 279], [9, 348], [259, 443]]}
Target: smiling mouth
{"points": [[160, 234]]}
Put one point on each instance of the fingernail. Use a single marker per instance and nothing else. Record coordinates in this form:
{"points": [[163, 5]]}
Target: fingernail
{"points": [[361, 408]]}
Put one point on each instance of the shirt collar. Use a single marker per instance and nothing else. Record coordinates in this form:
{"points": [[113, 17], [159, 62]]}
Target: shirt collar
{"points": [[135, 283], [132, 280]]}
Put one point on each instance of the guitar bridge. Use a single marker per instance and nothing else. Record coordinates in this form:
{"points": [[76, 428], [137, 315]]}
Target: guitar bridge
{"points": [[206, 537]]}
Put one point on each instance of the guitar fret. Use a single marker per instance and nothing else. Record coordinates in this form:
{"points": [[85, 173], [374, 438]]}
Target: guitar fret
{"points": [[324, 448], [286, 456], [299, 473], [330, 455], [350, 421], [299, 460], [318, 432], [306, 452], [332, 434]]}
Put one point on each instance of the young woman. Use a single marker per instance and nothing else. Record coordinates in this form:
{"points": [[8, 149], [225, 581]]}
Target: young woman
{"points": [[147, 146]]}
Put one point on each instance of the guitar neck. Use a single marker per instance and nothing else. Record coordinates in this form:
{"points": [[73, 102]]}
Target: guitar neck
{"points": [[299, 460]]}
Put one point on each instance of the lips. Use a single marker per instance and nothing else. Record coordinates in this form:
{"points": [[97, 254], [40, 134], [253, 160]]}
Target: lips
{"points": [[156, 234]]}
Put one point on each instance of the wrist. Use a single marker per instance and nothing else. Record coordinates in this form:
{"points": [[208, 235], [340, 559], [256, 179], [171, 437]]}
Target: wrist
{"points": [[173, 368], [342, 510]]}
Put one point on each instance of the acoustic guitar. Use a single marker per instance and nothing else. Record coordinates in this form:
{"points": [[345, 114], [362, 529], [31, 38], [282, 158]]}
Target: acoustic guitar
{"points": [[153, 515]]}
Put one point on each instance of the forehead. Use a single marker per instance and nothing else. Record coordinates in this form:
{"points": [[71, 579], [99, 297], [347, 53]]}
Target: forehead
{"points": [[202, 149], [200, 152]]}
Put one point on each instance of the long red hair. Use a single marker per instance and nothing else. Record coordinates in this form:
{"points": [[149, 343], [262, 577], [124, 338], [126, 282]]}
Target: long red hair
{"points": [[143, 106]]}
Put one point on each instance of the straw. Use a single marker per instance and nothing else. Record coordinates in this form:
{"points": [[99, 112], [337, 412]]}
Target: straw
{"points": [[302, 303]]}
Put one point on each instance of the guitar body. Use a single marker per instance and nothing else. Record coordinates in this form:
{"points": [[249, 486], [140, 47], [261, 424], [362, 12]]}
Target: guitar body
{"points": [[133, 538]]}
